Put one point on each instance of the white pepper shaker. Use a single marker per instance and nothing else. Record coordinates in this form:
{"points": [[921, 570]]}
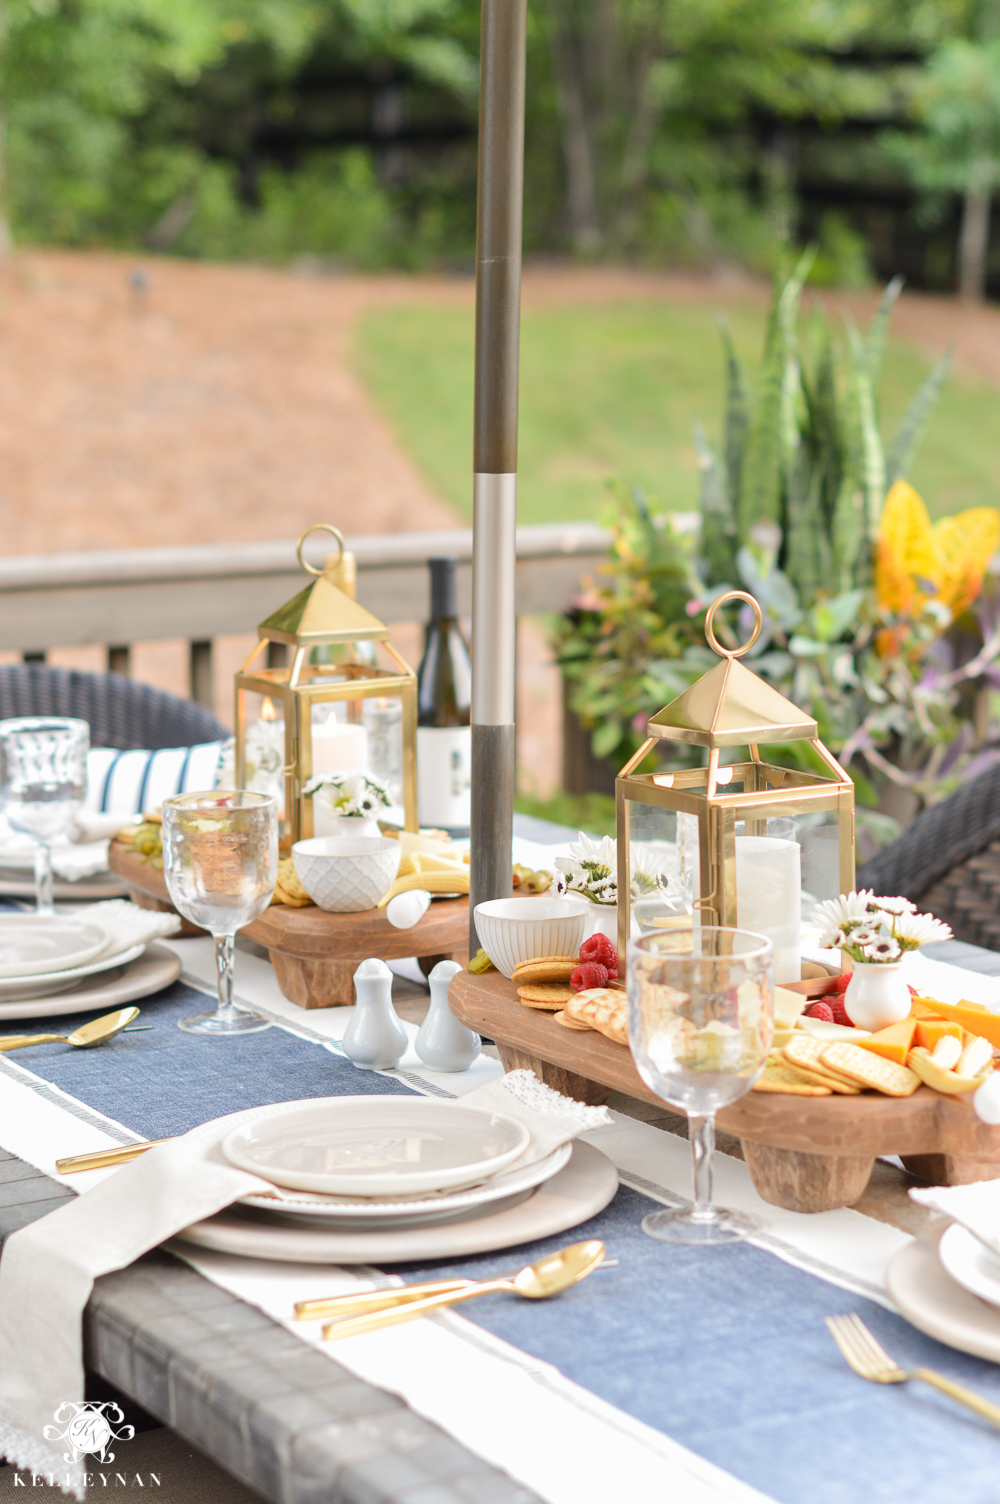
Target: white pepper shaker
{"points": [[444, 1044], [375, 1039]]}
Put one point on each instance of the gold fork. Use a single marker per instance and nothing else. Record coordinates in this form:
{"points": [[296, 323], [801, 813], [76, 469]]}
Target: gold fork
{"points": [[872, 1362]]}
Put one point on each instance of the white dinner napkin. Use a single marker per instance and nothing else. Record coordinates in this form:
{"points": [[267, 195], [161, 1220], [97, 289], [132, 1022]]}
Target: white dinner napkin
{"points": [[82, 852], [976, 1207], [127, 925], [47, 1271], [550, 1118]]}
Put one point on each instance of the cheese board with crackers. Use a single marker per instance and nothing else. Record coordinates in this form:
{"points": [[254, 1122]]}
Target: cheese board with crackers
{"points": [[831, 1098]]}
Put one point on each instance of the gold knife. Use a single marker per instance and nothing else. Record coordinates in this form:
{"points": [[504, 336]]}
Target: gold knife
{"points": [[101, 1158]]}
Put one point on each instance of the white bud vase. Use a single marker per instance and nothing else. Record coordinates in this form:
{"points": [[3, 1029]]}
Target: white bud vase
{"points": [[375, 1040], [876, 995], [325, 823], [444, 1044]]}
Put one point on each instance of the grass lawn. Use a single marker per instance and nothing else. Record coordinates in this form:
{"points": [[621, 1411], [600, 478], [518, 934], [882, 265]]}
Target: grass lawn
{"points": [[611, 391]]}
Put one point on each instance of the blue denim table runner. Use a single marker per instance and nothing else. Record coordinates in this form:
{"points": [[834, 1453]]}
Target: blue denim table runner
{"points": [[724, 1349]]}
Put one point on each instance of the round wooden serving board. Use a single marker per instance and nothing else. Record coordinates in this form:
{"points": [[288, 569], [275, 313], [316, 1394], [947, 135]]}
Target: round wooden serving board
{"points": [[805, 1153], [315, 954]]}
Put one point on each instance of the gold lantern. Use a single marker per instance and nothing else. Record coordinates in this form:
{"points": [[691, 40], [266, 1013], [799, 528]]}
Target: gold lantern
{"points": [[324, 617], [699, 808]]}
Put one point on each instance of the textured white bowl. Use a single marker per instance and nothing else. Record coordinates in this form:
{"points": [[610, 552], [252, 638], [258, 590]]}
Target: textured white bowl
{"points": [[344, 874], [520, 929]]}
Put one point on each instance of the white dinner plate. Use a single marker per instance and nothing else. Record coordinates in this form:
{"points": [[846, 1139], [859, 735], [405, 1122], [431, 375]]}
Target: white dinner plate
{"points": [[376, 1146], [580, 1190], [925, 1293], [384, 1213], [970, 1263], [47, 984], [33, 943], [150, 972]]}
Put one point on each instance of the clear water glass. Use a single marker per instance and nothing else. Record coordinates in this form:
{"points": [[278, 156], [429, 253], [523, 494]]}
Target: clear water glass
{"points": [[220, 861], [43, 782], [701, 1022]]}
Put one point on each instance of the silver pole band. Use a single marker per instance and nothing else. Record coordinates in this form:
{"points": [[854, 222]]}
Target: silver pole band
{"points": [[494, 625]]}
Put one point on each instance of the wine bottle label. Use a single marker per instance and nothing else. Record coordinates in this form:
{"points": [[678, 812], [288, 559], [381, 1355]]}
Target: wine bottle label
{"points": [[444, 761]]}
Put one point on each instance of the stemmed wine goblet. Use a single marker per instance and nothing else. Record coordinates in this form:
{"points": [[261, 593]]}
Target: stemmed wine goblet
{"points": [[43, 782], [701, 1022], [220, 860]]}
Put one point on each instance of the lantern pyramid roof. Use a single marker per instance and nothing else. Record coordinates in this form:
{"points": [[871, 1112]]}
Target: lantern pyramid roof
{"points": [[732, 707], [322, 614]]}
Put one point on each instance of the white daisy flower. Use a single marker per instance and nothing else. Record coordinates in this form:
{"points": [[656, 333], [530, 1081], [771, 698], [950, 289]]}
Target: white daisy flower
{"points": [[912, 930], [896, 906], [837, 914], [883, 949], [866, 934]]}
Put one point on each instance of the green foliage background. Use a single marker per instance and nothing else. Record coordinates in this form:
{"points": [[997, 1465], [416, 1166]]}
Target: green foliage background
{"points": [[654, 127]]}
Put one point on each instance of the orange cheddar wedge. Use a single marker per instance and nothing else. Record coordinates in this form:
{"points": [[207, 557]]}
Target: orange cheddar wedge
{"points": [[973, 1017], [930, 1030], [924, 1007], [892, 1043]]}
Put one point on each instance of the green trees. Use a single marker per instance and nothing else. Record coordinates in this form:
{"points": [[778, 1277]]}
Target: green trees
{"points": [[958, 147]]}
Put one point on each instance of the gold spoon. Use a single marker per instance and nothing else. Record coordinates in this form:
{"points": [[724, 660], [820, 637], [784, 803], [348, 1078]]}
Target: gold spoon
{"points": [[556, 1272], [84, 1038]]}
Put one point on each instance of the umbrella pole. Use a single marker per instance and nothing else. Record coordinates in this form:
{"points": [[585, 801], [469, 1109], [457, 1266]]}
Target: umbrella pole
{"points": [[498, 312]]}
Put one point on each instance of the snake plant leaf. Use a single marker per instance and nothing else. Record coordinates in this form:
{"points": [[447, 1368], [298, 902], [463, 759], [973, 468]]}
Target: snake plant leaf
{"points": [[763, 466], [737, 423], [849, 535], [807, 558], [878, 331], [911, 429], [718, 523], [870, 458], [825, 418]]}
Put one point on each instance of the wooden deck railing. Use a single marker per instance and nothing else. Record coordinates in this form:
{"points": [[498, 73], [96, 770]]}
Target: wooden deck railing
{"points": [[115, 598]]}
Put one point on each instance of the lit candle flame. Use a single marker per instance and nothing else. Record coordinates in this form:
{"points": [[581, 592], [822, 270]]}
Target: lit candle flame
{"points": [[267, 710]]}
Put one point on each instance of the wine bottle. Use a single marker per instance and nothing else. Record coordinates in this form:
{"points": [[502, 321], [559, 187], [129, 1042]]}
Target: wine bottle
{"points": [[444, 704]]}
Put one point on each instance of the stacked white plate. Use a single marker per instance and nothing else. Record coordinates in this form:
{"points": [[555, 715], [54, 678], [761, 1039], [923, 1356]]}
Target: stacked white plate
{"points": [[388, 1179], [374, 1163], [64, 964], [948, 1285]]}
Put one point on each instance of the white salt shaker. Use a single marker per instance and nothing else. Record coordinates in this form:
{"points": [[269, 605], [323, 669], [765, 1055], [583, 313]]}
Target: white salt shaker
{"points": [[375, 1039], [444, 1044]]}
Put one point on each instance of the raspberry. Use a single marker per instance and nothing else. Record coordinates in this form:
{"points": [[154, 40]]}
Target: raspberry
{"points": [[600, 948], [820, 1010], [590, 974], [835, 1001], [842, 982]]}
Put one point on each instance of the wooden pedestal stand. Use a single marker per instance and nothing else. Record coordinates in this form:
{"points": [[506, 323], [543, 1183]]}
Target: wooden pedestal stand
{"points": [[804, 1153], [315, 954]]}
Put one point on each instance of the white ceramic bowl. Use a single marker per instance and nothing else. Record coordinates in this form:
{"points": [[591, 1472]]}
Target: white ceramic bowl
{"points": [[519, 929], [344, 874]]}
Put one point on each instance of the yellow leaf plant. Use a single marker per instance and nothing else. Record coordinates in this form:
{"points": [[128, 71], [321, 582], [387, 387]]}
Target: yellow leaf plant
{"points": [[917, 561]]}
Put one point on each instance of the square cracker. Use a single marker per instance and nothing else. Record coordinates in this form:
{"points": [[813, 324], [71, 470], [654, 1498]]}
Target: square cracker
{"points": [[601, 1009], [804, 1053], [780, 1078], [870, 1070], [549, 996]]}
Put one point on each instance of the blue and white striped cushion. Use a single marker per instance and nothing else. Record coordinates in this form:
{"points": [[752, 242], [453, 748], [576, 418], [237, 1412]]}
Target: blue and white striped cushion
{"points": [[129, 783]]}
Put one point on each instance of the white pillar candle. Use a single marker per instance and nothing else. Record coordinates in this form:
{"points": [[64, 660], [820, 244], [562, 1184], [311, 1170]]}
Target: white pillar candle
{"points": [[769, 898], [339, 747]]}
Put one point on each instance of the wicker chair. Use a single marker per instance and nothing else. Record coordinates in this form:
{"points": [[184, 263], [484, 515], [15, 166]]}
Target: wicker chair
{"points": [[121, 713], [948, 861]]}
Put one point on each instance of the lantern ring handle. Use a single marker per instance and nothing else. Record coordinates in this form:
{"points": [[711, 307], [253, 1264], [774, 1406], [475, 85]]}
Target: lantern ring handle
{"points": [[713, 641], [319, 527]]}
